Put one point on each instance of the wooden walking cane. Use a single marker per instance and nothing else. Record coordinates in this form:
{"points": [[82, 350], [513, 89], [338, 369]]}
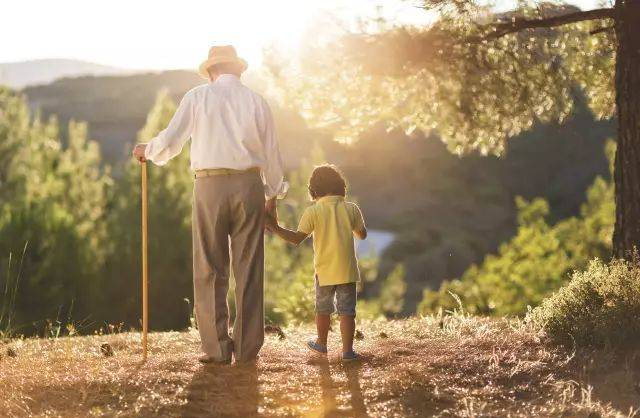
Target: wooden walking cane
{"points": [[145, 267]]}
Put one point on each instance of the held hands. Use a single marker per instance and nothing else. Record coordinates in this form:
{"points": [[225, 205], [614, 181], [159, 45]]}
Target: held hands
{"points": [[271, 223], [270, 207], [138, 152], [271, 212]]}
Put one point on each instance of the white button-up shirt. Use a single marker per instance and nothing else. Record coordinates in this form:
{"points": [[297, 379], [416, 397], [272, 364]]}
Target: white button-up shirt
{"points": [[230, 126]]}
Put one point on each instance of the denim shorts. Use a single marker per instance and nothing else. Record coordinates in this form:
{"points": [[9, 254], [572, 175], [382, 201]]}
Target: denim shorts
{"points": [[340, 297]]}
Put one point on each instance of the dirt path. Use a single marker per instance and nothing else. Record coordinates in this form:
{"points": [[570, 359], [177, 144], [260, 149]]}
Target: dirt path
{"points": [[414, 368]]}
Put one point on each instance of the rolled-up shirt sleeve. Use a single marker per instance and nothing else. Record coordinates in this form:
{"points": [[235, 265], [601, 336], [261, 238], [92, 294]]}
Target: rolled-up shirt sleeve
{"points": [[273, 171], [169, 142]]}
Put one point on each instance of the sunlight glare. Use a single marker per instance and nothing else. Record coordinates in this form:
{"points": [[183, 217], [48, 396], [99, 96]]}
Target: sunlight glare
{"points": [[158, 35]]}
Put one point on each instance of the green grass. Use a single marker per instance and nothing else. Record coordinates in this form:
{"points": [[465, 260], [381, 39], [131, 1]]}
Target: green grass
{"points": [[11, 285]]}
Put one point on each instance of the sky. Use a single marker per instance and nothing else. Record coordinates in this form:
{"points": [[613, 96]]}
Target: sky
{"points": [[159, 34]]}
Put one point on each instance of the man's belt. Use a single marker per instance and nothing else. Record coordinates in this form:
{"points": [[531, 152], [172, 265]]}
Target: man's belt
{"points": [[208, 172]]}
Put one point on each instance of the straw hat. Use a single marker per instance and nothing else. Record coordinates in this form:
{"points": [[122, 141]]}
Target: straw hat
{"points": [[221, 55]]}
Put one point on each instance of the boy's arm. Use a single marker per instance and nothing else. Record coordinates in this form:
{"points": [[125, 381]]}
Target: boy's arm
{"points": [[361, 233], [359, 229], [294, 237]]}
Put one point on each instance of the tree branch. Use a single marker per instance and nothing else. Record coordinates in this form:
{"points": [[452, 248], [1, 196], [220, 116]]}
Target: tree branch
{"points": [[517, 24], [602, 29]]}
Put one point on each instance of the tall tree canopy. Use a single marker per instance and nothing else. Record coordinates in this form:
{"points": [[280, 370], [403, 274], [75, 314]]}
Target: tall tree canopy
{"points": [[478, 78], [53, 197]]}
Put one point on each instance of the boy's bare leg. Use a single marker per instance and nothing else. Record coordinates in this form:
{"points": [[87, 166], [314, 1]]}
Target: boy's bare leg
{"points": [[347, 330], [323, 322]]}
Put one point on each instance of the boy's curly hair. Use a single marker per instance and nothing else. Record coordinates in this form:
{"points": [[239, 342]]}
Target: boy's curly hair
{"points": [[326, 180]]}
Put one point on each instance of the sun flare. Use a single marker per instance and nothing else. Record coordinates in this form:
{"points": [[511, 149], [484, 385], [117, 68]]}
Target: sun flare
{"points": [[162, 35]]}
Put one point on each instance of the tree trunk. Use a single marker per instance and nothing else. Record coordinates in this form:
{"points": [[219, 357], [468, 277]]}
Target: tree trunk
{"points": [[626, 235]]}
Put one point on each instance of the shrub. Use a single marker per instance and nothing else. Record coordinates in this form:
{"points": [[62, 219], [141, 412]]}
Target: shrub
{"points": [[537, 261], [599, 306]]}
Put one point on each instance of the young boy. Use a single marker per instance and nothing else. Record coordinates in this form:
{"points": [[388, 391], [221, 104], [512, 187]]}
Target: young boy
{"points": [[333, 222]]}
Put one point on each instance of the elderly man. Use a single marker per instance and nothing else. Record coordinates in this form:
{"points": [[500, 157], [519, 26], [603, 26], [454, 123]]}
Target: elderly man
{"points": [[238, 175]]}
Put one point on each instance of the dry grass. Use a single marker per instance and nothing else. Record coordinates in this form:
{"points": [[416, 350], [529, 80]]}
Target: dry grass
{"points": [[416, 368]]}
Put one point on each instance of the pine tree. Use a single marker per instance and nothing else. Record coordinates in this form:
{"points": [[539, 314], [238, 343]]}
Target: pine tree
{"points": [[170, 263], [54, 199]]}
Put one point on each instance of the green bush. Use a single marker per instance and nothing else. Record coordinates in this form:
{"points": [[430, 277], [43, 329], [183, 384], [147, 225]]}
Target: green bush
{"points": [[599, 306], [537, 261], [53, 196]]}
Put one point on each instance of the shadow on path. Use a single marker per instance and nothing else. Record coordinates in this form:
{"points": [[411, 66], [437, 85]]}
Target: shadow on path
{"points": [[611, 377], [222, 391], [330, 391]]}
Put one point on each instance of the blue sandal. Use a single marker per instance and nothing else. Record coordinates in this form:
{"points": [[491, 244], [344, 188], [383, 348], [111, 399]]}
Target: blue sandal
{"points": [[318, 348], [350, 356]]}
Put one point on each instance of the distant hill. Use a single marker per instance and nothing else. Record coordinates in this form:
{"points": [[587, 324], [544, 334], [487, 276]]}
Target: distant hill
{"points": [[447, 212], [27, 73], [116, 108]]}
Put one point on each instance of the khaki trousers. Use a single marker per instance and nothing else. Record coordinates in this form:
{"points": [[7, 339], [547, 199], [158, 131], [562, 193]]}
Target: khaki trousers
{"points": [[228, 222]]}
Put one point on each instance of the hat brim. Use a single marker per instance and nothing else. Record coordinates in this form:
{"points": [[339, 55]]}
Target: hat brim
{"points": [[203, 70]]}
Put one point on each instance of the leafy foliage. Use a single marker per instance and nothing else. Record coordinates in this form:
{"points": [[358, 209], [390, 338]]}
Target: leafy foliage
{"points": [[600, 305], [54, 198], [452, 77], [391, 298], [537, 261], [170, 267]]}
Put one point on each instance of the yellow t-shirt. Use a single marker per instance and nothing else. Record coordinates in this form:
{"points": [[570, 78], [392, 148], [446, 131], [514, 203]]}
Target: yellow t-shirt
{"points": [[332, 221]]}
